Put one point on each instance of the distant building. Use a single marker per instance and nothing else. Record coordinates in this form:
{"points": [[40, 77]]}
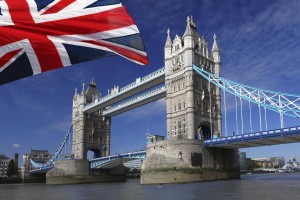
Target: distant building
{"points": [[243, 160], [134, 164], [263, 162], [3, 165], [38, 156], [278, 162]]}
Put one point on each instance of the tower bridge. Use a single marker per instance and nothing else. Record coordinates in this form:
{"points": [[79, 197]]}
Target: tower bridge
{"points": [[194, 117]]}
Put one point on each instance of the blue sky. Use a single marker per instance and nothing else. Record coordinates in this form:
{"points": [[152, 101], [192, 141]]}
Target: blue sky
{"points": [[260, 46]]}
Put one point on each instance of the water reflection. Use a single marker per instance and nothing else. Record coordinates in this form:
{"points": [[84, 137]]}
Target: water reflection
{"points": [[263, 186]]}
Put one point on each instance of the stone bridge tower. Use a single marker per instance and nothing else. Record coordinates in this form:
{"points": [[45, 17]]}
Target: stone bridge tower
{"points": [[193, 105], [91, 132], [193, 115]]}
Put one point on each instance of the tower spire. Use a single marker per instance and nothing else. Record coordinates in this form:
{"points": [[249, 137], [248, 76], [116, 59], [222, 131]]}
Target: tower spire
{"points": [[188, 31], [76, 93], [83, 89], [169, 41], [93, 83], [215, 47]]}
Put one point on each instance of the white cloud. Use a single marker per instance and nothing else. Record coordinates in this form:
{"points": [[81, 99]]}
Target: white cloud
{"points": [[15, 145]]}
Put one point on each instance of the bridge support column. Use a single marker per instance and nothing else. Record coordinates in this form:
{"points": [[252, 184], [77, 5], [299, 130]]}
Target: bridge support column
{"points": [[184, 161], [78, 171]]}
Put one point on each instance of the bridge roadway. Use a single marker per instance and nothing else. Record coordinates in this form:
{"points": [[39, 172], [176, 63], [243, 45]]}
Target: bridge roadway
{"points": [[140, 85], [263, 138], [117, 159]]}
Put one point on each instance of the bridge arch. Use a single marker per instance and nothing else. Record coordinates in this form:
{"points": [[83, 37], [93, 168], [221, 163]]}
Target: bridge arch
{"points": [[93, 153], [204, 131]]}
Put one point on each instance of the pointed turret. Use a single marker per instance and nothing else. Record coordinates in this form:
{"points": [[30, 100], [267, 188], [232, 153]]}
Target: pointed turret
{"points": [[215, 47], [169, 41], [76, 93], [188, 30], [83, 90], [92, 92], [188, 36], [216, 56], [93, 83], [168, 46]]}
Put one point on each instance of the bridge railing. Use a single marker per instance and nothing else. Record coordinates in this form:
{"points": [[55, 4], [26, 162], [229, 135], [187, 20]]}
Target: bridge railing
{"points": [[135, 100], [260, 134], [97, 162], [138, 82]]}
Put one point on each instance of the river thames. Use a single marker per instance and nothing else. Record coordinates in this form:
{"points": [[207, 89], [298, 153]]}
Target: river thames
{"points": [[252, 187]]}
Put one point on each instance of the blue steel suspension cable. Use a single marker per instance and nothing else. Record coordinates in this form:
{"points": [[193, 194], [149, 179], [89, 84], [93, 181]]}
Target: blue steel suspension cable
{"points": [[250, 117], [284, 103], [236, 117], [211, 131], [226, 133]]}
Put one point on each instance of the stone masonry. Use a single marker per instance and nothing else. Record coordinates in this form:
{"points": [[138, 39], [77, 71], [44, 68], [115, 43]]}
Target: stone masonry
{"points": [[193, 114], [91, 132]]}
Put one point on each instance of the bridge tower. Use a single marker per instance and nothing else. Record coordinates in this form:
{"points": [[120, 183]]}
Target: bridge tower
{"points": [[193, 115], [193, 105], [91, 132]]}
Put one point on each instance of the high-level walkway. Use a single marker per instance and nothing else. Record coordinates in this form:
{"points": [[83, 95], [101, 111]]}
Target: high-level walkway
{"points": [[140, 85]]}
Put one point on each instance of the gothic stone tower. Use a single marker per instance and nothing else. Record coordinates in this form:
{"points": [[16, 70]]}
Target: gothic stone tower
{"points": [[91, 132], [192, 103], [193, 106]]}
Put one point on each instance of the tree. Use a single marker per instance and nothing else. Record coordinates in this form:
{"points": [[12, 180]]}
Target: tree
{"points": [[11, 168]]}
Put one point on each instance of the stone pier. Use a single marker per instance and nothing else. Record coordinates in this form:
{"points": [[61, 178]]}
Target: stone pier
{"points": [[184, 161], [77, 172]]}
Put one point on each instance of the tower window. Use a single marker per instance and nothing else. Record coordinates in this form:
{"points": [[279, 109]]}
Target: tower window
{"points": [[179, 105], [175, 127], [179, 126]]}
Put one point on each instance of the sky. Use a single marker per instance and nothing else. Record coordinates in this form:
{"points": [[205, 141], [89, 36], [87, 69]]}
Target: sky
{"points": [[259, 42]]}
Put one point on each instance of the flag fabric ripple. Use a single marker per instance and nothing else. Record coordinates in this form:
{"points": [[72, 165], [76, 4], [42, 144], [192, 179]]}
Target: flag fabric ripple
{"points": [[40, 35]]}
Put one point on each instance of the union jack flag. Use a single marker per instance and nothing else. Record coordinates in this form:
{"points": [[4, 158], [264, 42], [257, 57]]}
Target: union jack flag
{"points": [[41, 35]]}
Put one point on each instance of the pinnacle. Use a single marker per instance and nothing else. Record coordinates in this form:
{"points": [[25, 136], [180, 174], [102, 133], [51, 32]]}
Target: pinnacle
{"points": [[169, 41], [215, 47]]}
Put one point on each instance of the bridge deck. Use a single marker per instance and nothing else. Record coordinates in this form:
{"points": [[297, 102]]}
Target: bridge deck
{"points": [[264, 138], [140, 85]]}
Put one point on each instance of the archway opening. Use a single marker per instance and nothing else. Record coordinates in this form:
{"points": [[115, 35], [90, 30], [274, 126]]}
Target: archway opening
{"points": [[204, 132], [93, 153]]}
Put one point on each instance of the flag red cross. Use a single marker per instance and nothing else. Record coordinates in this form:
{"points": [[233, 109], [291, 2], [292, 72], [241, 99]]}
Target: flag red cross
{"points": [[39, 34]]}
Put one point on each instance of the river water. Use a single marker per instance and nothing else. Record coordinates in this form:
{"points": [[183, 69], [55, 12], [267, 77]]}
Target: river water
{"points": [[252, 187]]}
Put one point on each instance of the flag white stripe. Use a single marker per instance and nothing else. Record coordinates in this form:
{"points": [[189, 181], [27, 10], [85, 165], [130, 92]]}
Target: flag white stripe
{"points": [[67, 14], [77, 5], [102, 48], [34, 62], [3, 67], [27, 48], [120, 32], [63, 54], [5, 19]]}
